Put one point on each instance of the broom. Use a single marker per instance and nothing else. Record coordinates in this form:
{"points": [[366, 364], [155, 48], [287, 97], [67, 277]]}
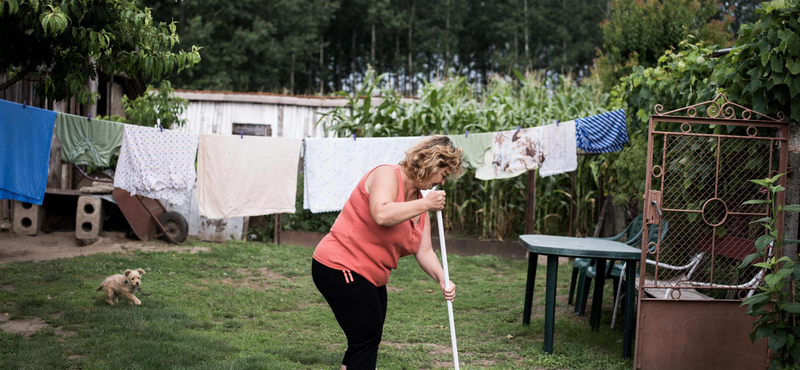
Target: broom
{"points": [[447, 285]]}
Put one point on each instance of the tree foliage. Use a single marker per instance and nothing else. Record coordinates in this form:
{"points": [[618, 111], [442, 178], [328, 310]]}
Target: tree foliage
{"points": [[156, 107], [65, 43], [639, 31], [763, 69], [760, 72], [327, 45], [775, 304]]}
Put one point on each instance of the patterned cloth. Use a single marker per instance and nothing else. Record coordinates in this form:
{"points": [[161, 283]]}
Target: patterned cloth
{"points": [[559, 147], [333, 167], [25, 137], [520, 150], [157, 164], [602, 133]]}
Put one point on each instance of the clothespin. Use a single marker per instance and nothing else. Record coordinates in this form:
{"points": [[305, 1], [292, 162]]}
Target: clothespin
{"points": [[161, 127], [557, 123], [90, 117], [241, 134], [354, 137], [466, 134], [24, 103], [519, 128]]}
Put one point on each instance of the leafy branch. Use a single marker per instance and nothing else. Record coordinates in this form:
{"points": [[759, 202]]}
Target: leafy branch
{"points": [[775, 304]]}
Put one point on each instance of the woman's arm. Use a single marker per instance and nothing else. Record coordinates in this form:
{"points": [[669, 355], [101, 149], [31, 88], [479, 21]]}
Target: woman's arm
{"points": [[382, 188], [429, 263]]}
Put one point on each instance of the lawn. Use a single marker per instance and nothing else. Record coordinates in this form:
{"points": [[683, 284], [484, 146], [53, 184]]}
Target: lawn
{"points": [[254, 306]]}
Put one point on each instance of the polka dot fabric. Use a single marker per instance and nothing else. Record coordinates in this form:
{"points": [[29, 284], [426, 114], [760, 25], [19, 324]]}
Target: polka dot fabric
{"points": [[333, 167], [157, 164]]}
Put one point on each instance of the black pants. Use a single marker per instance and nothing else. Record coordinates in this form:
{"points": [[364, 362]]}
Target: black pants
{"points": [[360, 309]]}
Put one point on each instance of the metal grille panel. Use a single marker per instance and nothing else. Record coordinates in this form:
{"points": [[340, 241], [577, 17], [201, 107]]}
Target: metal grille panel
{"points": [[697, 231]]}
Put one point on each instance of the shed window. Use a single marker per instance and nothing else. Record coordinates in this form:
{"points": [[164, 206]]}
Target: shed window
{"points": [[252, 129]]}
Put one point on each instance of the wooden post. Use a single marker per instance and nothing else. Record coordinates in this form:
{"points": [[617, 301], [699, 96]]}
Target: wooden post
{"points": [[5, 214], [245, 227], [571, 203], [278, 226], [530, 204]]}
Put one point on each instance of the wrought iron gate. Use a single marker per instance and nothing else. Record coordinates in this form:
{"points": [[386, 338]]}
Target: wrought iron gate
{"points": [[696, 228]]}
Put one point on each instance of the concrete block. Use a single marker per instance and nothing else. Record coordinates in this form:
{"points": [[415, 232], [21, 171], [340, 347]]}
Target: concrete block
{"points": [[27, 218], [89, 219]]}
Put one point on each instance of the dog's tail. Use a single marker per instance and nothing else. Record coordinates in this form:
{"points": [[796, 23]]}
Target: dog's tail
{"points": [[100, 288]]}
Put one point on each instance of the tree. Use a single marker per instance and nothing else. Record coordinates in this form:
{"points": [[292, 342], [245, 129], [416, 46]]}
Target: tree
{"points": [[639, 31], [64, 44], [308, 46]]}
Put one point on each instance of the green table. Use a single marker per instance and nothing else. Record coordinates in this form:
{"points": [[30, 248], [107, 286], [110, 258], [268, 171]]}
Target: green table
{"points": [[561, 246]]}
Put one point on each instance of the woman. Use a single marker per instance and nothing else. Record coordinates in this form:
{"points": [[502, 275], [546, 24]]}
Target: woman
{"points": [[384, 219]]}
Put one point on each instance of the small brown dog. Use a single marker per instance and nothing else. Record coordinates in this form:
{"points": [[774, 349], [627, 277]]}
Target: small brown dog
{"points": [[122, 284]]}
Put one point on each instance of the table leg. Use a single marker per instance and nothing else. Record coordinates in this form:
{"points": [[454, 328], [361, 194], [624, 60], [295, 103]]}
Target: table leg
{"points": [[597, 298], [550, 302], [526, 312], [630, 296]]}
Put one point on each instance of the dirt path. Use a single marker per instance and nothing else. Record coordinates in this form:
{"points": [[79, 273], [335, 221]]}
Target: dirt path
{"points": [[55, 245]]}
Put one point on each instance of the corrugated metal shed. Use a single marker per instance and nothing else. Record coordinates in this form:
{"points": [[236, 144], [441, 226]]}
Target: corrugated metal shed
{"points": [[211, 112]]}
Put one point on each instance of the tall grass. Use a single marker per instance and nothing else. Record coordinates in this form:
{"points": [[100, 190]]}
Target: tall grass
{"points": [[490, 209]]}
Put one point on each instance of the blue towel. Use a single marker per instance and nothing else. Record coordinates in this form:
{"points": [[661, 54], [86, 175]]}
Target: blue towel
{"points": [[603, 133], [25, 136]]}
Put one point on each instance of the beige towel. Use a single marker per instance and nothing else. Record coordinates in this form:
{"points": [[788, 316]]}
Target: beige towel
{"points": [[250, 176]]}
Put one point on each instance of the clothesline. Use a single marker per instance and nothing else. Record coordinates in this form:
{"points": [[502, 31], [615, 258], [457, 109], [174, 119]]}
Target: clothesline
{"points": [[241, 176]]}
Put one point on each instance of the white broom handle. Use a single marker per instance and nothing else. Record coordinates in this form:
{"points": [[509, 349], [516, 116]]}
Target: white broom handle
{"points": [[447, 285]]}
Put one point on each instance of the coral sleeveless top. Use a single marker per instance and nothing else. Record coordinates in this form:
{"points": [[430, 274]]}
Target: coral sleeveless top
{"points": [[357, 243]]}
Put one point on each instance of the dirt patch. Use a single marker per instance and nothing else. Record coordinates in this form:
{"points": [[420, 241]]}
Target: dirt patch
{"points": [[63, 334], [263, 279], [25, 327], [262, 273], [433, 349], [63, 244], [396, 345], [393, 289], [8, 287], [439, 349]]}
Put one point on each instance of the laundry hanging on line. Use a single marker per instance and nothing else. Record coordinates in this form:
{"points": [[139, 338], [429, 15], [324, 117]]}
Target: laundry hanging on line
{"points": [[474, 147], [602, 133], [561, 152], [157, 163], [240, 176], [333, 167], [550, 148], [88, 142], [518, 151], [25, 137]]}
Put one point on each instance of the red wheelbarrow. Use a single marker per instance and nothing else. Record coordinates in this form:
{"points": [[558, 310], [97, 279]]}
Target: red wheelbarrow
{"points": [[149, 218]]}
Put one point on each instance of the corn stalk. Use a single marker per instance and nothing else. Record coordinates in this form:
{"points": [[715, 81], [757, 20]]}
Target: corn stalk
{"points": [[490, 209]]}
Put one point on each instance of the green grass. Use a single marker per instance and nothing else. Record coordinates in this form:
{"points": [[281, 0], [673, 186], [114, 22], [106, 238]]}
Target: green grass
{"points": [[254, 306]]}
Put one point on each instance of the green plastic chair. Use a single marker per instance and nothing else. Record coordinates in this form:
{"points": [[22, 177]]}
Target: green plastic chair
{"points": [[615, 271], [579, 265]]}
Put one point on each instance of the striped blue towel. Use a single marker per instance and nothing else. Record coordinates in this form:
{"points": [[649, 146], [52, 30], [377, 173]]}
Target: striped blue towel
{"points": [[602, 133]]}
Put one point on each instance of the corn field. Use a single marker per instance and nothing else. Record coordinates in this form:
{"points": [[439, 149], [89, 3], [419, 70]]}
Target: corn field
{"points": [[493, 209]]}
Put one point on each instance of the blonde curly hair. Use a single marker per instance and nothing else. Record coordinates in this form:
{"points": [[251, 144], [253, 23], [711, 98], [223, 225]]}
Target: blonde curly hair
{"points": [[430, 156]]}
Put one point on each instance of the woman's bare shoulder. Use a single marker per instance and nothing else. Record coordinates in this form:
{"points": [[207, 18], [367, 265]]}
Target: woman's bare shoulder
{"points": [[385, 175]]}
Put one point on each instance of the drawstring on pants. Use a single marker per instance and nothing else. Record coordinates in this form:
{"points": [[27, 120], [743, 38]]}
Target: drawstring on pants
{"points": [[346, 272]]}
